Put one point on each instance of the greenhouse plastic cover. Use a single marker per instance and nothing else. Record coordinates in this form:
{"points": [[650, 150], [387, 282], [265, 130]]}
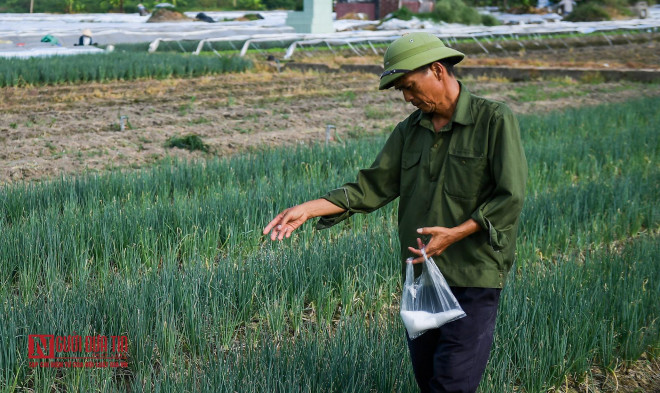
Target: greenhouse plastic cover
{"points": [[19, 32], [45, 50]]}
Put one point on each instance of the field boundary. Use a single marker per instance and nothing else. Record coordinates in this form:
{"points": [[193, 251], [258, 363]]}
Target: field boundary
{"points": [[520, 74], [515, 74]]}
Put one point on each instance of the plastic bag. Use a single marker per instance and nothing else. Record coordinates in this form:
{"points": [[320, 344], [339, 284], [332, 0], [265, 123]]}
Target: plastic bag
{"points": [[427, 302]]}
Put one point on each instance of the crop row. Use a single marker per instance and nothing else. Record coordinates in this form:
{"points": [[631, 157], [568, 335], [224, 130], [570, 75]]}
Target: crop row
{"points": [[173, 258], [185, 331], [113, 66]]}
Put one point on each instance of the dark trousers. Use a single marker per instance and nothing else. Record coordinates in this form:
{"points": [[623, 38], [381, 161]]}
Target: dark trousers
{"points": [[453, 357]]}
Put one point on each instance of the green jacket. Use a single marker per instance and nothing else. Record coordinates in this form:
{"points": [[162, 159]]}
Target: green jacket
{"points": [[474, 167]]}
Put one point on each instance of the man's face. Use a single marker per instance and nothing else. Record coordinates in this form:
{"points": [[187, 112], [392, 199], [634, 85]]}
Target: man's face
{"points": [[418, 87]]}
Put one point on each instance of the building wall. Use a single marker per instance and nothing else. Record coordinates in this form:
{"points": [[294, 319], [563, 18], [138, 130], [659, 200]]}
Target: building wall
{"points": [[347, 8], [387, 7], [384, 7]]}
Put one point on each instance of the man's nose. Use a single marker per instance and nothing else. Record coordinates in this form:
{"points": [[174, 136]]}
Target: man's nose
{"points": [[407, 96]]}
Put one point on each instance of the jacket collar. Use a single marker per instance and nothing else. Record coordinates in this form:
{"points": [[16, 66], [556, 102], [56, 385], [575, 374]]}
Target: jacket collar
{"points": [[462, 113]]}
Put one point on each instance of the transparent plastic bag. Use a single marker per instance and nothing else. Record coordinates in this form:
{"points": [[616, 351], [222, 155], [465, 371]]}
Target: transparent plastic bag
{"points": [[427, 302]]}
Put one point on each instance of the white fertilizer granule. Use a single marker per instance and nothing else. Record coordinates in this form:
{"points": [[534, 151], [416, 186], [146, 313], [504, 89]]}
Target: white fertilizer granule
{"points": [[419, 321]]}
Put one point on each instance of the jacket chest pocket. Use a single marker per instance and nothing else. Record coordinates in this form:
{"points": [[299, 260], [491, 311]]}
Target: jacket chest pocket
{"points": [[464, 175], [410, 165]]}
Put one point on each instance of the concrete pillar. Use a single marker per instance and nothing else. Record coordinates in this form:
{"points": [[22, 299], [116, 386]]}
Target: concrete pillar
{"points": [[316, 17]]}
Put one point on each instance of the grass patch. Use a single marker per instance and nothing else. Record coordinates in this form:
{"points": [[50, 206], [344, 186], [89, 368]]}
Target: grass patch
{"points": [[348, 95], [376, 113], [592, 78], [199, 120], [551, 91], [189, 142]]}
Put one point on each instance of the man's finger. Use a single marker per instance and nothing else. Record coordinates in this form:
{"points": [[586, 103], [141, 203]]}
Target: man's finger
{"points": [[419, 259], [284, 221], [273, 234], [283, 229], [278, 223], [272, 223], [269, 227], [415, 251]]}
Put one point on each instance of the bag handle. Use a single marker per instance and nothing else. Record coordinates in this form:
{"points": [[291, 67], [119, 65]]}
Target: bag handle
{"points": [[426, 258]]}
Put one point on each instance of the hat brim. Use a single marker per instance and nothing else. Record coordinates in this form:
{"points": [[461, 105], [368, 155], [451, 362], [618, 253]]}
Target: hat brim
{"points": [[419, 60]]}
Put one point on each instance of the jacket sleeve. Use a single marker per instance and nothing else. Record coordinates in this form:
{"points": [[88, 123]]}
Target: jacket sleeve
{"points": [[373, 188], [499, 214]]}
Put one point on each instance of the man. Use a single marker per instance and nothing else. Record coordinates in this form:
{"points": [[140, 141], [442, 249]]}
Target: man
{"points": [[86, 38], [458, 167]]}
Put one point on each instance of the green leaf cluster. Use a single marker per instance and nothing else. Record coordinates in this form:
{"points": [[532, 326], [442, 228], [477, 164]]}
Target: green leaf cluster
{"points": [[189, 142], [588, 12], [455, 11], [599, 10]]}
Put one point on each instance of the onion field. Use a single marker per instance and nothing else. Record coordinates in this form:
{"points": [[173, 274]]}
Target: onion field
{"points": [[113, 66], [172, 257]]}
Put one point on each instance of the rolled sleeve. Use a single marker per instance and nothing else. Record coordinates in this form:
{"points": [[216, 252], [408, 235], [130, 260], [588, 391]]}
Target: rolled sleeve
{"points": [[337, 197], [499, 214]]}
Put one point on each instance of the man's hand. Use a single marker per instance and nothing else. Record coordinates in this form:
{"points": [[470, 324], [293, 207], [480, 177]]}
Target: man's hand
{"points": [[441, 238], [292, 218], [286, 222]]}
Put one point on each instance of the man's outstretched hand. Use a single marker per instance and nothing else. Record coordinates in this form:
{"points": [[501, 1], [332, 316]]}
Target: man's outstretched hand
{"points": [[286, 222], [292, 218]]}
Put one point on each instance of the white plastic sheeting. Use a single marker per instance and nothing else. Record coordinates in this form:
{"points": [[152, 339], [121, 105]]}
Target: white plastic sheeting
{"points": [[45, 51], [414, 23], [131, 28], [530, 25], [123, 28], [452, 32]]}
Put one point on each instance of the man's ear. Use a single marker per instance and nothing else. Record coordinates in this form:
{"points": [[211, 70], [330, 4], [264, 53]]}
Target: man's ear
{"points": [[438, 70]]}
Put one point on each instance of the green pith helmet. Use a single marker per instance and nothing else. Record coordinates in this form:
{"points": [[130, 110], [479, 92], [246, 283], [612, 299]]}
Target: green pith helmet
{"points": [[412, 51]]}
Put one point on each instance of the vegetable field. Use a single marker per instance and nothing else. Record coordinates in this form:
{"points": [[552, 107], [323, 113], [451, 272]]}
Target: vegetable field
{"points": [[113, 66], [173, 258]]}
